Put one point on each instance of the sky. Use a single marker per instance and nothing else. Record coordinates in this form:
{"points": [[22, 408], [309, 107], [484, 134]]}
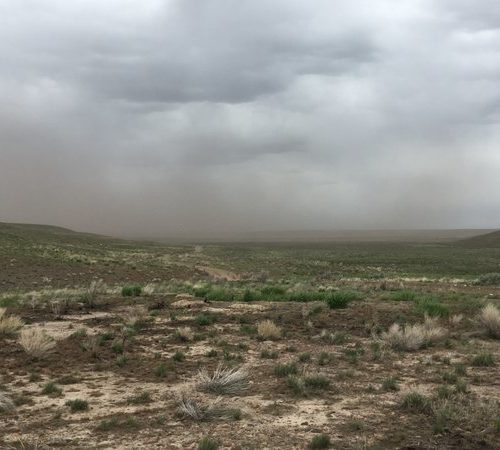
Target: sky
{"points": [[184, 117]]}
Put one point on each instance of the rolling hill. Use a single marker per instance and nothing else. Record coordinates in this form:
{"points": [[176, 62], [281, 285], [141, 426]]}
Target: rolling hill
{"points": [[488, 240]]}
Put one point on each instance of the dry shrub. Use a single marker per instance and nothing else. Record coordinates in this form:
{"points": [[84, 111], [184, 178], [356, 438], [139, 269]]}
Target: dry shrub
{"points": [[490, 319], [9, 324], [188, 407], [36, 342], [456, 319], [6, 403], [185, 334], [413, 337], [149, 289], [135, 317], [96, 287], [267, 329], [223, 381]]}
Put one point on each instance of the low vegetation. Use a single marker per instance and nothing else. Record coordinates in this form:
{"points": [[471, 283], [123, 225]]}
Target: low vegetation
{"points": [[247, 336], [490, 320], [9, 324], [36, 342], [268, 330], [224, 380], [413, 337], [6, 403]]}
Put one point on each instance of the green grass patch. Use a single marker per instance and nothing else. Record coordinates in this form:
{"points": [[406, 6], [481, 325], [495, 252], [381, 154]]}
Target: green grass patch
{"points": [[339, 300], [431, 306], [483, 360], [283, 370], [132, 290], [77, 405], [403, 295]]}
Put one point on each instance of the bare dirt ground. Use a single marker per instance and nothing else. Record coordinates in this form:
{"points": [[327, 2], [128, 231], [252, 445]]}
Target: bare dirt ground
{"points": [[354, 410]]}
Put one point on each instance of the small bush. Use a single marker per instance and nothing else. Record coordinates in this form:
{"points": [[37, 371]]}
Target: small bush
{"points": [[403, 296], [356, 425], [490, 320], [6, 403], [11, 300], [272, 291], [179, 356], [132, 290], [52, 389], [450, 377], [77, 405], [316, 382], [161, 370], [208, 444], [483, 360], [250, 296], [114, 423], [121, 360], [415, 401], [140, 399], [461, 387], [267, 330], [9, 324], [444, 392], [321, 441], [488, 279], [266, 354], [304, 357], [184, 334], [225, 381], [413, 337], [339, 300], [324, 358], [135, 318], [390, 384], [203, 320], [334, 338], [117, 347], [460, 370], [35, 342], [191, 408], [283, 370], [431, 306], [296, 384]]}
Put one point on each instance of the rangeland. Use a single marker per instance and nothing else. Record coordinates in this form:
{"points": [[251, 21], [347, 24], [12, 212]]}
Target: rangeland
{"points": [[107, 343]]}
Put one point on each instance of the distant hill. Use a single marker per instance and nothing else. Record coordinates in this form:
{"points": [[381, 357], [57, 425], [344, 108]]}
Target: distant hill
{"points": [[44, 233], [346, 236], [491, 240]]}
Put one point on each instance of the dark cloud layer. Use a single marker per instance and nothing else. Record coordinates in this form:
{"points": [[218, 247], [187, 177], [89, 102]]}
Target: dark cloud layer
{"points": [[156, 118]]}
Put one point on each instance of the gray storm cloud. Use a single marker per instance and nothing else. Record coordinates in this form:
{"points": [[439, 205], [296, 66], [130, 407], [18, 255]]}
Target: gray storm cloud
{"points": [[158, 118]]}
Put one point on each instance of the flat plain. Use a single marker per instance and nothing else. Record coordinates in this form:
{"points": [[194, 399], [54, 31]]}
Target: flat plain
{"points": [[373, 344]]}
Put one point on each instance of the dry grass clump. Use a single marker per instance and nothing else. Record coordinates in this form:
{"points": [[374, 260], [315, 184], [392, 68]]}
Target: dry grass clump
{"points": [[195, 410], [36, 342], [9, 324], [6, 403], [456, 319], [268, 330], [149, 289], [135, 317], [413, 337], [490, 319], [184, 334], [90, 296], [223, 381]]}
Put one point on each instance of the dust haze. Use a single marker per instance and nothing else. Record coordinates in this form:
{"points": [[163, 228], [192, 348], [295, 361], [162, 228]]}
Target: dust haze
{"points": [[160, 118]]}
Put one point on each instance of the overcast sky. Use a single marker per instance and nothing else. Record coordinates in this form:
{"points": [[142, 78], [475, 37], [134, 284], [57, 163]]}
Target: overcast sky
{"points": [[152, 118]]}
